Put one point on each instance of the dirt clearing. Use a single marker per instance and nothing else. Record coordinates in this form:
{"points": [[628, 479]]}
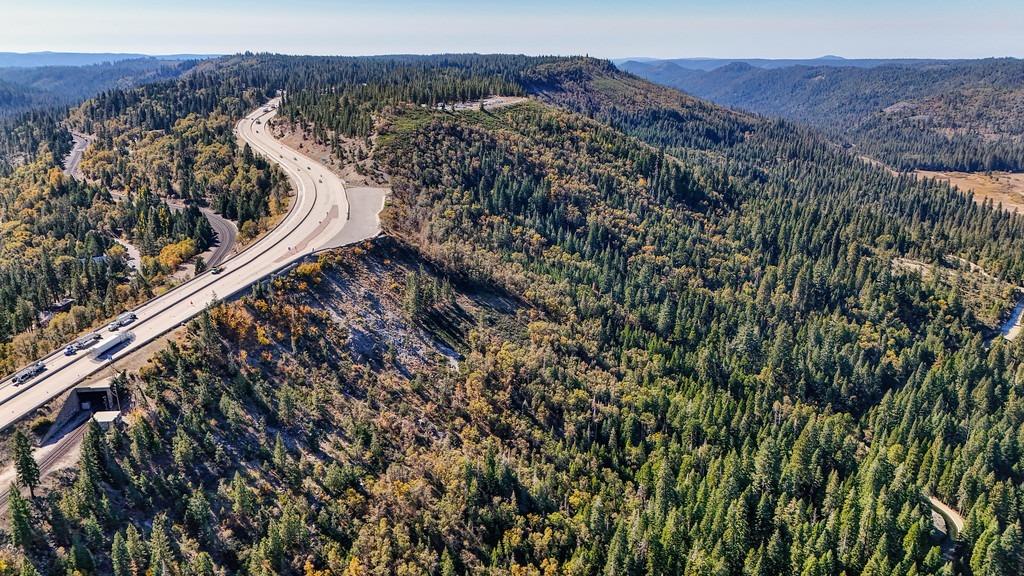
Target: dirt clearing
{"points": [[1006, 188]]}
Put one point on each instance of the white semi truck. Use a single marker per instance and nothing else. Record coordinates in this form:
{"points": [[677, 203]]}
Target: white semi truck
{"points": [[110, 344]]}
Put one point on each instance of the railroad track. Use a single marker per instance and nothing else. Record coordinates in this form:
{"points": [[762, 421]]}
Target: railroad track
{"points": [[49, 461]]}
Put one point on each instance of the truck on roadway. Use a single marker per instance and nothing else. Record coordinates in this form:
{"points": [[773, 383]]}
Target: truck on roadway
{"points": [[82, 343], [114, 342], [122, 320], [87, 340], [28, 373]]}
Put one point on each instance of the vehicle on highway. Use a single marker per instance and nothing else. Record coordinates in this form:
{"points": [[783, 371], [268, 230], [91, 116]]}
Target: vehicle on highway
{"points": [[70, 351], [122, 320], [112, 343], [217, 270], [28, 373], [86, 341]]}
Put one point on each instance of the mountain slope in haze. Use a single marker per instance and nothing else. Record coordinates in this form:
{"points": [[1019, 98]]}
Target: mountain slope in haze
{"points": [[25, 88], [955, 115], [37, 59], [707, 64]]}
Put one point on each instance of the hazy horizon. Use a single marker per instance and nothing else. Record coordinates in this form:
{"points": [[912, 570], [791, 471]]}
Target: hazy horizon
{"points": [[730, 29], [612, 57]]}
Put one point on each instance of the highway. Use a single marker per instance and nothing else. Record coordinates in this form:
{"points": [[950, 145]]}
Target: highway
{"points": [[322, 216]]}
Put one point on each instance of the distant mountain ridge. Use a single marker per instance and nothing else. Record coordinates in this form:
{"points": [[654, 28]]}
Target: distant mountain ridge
{"points": [[927, 114], [708, 64], [34, 59]]}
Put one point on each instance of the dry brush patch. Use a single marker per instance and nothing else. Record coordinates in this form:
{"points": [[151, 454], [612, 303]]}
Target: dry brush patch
{"points": [[1001, 188]]}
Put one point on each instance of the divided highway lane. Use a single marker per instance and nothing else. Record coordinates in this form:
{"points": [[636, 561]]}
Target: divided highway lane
{"points": [[317, 220]]}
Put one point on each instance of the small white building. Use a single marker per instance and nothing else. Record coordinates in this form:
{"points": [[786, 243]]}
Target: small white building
{"points": [[107, 418]]}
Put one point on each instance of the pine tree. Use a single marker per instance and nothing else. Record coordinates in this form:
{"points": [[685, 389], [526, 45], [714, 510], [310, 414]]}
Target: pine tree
{"points": [[21, 521], [24, 464], [161, 561], [27, 569], [93, 450], [280, 455], [138, 551], [447, 564], [120, 560]]}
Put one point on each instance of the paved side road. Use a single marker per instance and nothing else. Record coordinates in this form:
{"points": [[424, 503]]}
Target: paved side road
{"points": [[79, 143], [322, 216], [226, 233], [225, 229], [951, 519]]}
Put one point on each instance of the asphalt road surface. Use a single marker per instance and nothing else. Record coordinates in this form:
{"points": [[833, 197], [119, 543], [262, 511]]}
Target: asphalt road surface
{"points": [[952, 521], [226, 233], [322, 216], [79, 143], [225, 229]]}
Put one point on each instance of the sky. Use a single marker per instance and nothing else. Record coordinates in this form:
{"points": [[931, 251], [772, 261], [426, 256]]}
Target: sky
{"points": [[653, 28]]}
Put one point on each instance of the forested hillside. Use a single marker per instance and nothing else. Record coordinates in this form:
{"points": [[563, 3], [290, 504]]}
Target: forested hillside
{"points": [[22, 136], [615, 330], [956, 115]]}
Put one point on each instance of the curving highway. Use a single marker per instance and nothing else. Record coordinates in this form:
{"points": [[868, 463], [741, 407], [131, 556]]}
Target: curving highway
{"points": [[322, 216]]}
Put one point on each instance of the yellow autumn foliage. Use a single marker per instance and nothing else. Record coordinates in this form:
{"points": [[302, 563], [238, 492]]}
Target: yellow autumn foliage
{"points": [[173, 255]]}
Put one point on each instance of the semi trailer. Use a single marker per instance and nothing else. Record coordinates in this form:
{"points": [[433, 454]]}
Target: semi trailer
{"points": [[82, 343], [110, 344], [87, 340]]}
